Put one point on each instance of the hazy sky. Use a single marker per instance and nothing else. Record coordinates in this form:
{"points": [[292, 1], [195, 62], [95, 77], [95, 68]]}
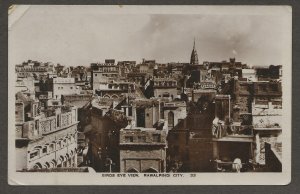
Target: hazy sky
{"points": [[79, 35]]}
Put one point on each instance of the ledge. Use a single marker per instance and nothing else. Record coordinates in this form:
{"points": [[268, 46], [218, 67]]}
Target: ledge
{"points": [[235, 139], [60, 129]]}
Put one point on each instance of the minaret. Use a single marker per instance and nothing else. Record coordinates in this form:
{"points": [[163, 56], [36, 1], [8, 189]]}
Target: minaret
{"points": [[194, 55]]}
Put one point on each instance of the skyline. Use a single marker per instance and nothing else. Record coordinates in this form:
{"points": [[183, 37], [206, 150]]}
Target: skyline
{"points": [[74, 35]]}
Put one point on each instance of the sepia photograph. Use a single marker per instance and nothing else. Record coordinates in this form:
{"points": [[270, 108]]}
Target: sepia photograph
{"points": [[138, 95]]}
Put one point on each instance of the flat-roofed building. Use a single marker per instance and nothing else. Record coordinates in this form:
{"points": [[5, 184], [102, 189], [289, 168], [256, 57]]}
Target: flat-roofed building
{"points": [[102, 73], [63, 86], [174, 112], [142, 150], [165, 87], [249, 74], [47, 140], [267, 123], [34, 69]]}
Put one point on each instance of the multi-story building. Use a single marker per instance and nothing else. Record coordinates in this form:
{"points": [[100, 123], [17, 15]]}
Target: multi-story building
{"points": [[273, 72], [82, 76], [146, 112], [137, 78], [267, 123], [45, 140], [125, 67], [242, 97], [165, 87], [109, 118], [204, 91], [114, 89], [174, 112], [63, 86], [34, 69], [102, 133], [25, 84], [58, 86], [175, 69], [142, 150], [102, 73], [83, 103], [249, 74], [59, 69], [190, 146], [232, 141]]}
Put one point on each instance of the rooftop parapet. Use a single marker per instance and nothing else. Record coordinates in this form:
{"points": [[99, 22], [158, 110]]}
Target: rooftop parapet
{"points": [[43, 126], [142, 136]]}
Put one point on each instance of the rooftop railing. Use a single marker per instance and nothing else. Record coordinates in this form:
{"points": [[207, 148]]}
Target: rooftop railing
{"points": [[232, 131]]}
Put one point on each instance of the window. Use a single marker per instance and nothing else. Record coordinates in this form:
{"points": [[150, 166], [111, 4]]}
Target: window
{"points": [[51, 148], [96, 74], [130, 111], [44, 150], [128, 139], [33, 154], [156, 137], [60, 145], [71, 88], [171, 119], [166, 95], [57, 119], [65, 142], [141, 139]]}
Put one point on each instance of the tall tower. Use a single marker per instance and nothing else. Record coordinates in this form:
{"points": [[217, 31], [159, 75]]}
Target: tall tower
{"points": [[194, 55]]}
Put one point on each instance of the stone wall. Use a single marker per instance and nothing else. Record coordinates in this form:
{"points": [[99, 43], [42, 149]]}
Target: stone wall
{"points": [[54, 150], [142, 159]]}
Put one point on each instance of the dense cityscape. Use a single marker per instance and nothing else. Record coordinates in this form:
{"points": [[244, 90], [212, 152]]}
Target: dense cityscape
{"points": [[148, 117]]}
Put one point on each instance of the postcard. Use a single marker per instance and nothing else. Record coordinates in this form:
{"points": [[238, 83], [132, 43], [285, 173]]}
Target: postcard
{"points": [[149, 95]]}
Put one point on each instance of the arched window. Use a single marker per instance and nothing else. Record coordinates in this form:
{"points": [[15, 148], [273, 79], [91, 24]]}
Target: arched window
{"points": [[37, 166], [114, 96], [171, 119], [132, 170], [47, 165], [62, 159], [151, 170], [53, 163]]}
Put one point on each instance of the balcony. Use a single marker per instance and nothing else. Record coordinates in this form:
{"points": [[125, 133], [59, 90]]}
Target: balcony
{"points": [[233, 133], [49, 125], [32, 130]]}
